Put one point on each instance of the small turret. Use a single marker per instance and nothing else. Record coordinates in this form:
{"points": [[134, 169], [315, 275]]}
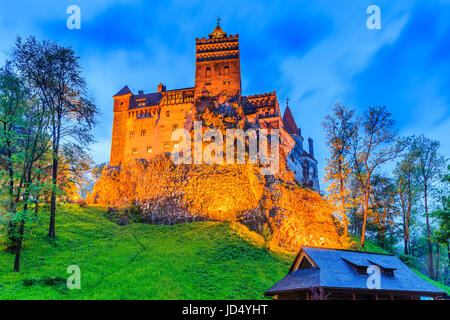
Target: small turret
{"points": [[217, 32], [288, 120], [311, 147], [161, 87]]}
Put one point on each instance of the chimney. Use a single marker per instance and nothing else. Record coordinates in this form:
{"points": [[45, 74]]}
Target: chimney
{"points": [[311, 147], [141, 92], [161, 87]]}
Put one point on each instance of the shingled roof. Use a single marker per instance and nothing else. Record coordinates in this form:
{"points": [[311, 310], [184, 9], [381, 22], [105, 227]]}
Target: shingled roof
{"points": [[334, 268], [125, 90], [151, 99]]}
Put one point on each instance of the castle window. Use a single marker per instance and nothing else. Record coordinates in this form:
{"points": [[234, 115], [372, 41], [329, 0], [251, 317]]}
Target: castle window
{"points": [[176, 144], [208, 84], [143, 132], [167, 113], [174, 127], [131, 134], [134, 151], [208, 72], [226, 70], [141, 103], [149, 149], [226, 82], [166, 145]]}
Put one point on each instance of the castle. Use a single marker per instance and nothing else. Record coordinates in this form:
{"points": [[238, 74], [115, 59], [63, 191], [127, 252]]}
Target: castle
{"points": [[144, 122]]}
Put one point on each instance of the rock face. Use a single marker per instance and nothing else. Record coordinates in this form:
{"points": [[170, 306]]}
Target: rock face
{"points": [[169, 194], [278, 206]]}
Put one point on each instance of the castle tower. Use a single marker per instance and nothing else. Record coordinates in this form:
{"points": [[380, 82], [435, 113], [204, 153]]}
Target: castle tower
{"points": [[217, 68], [121, 104]]}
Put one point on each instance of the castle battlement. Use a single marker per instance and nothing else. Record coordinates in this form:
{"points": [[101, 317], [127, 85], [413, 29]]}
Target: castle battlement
{"points": [[225, 39]]}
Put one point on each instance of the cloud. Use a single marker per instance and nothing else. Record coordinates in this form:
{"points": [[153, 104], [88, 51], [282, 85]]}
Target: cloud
{"points": [[320, 79]]}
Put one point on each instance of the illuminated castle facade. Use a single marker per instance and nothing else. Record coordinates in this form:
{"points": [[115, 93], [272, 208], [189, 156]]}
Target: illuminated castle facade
{"points": [[144, 122]]}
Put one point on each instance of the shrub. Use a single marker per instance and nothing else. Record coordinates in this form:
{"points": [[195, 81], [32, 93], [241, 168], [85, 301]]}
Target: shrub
{"points": [[125, 215], [408, 259]]}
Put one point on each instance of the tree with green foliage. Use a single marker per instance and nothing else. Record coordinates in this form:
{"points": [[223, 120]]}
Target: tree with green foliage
{"points": [[379, 145], [407, 188], [383, 209], [442, 217], [24, 143], [340, 127], [54, 75], [430, 164]]}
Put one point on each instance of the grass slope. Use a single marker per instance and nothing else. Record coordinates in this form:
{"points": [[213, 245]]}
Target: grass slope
{"points": [[438, 284], [202, 260]]}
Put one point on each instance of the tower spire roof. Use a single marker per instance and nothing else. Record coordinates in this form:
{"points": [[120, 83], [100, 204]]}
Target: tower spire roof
{"points": [[125, 90], [288, 120], [217, 32]]}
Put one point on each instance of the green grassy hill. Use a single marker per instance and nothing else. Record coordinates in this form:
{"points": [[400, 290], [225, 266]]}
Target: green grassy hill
{"points": [[202, 260]]}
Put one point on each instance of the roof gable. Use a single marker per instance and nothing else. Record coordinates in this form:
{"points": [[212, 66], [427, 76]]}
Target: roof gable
{"points": [[289, 122], [124, 91], [334, 271]]}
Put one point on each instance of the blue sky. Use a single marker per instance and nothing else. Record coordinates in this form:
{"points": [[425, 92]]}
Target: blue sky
{"points": [[317, 53]]}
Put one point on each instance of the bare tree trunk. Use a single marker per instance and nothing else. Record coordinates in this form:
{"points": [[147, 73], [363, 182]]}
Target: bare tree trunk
{"points": [[344, 213], [51, 231], [430, 249], [408, 218], [405, 237], [437, 262], [19, 246], [56, 137], [448, 264], [36, 201], [12, 227], [344, 216], [366, 207], [36, 207]]}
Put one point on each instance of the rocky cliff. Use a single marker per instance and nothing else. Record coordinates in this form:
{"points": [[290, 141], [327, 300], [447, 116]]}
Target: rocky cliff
{"points": [[277, 206]]}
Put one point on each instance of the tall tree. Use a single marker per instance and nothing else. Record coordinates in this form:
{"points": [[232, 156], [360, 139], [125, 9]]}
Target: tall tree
{"points": [[383, 208], [379, 144], [340, 127], [442, 216], [12, 108], [430, 164], [407, 188], [54, 74], [24, 141]]}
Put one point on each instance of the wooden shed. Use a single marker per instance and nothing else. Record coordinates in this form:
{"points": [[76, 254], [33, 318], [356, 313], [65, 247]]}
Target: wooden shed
{"points": [[334, 274]]}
